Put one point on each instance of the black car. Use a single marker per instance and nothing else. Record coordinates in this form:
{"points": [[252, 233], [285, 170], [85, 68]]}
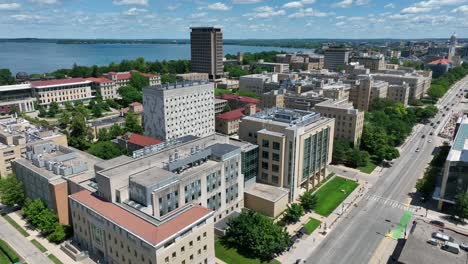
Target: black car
{"points": [[431, 134], [437, 223]]}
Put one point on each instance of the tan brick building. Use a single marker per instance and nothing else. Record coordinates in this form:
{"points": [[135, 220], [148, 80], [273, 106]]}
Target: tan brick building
{"points": [[272, 99], [363, 94]]}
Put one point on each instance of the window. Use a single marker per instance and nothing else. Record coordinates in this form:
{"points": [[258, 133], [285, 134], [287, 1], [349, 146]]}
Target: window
{"points": [[265, 154], [265, 165], [275, 157], [174, 254], [198, 238], [264, 175], [182, 249], [276, 145], [191, 257], [274, 179], [204, 234], [274, 168], [265, 143], [166, 260], [191, 243]]}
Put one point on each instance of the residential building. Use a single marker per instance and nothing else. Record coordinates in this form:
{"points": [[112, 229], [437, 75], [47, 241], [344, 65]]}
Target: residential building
{"points": [[272, 99], [15, 135], [51, 172], [295, 147], [419, 82], [335, 57], [193, 76], [349, 121], [228, 123], [235, 101], [258, 83], [454, 179], [399, 93], [115, 233], [301, 61], [180, 109], [189, 170], [439, 67], [63, 90], [372, 62], [220, 104], [337, 91], [206, 45], [274, 67], [363, 94]]}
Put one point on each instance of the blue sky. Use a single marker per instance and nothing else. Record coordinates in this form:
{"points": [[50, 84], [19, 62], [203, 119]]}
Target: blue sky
{"points": [[148, 19]]}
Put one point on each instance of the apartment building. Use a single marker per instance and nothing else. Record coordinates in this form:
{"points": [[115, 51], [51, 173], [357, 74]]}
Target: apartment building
{"points": [[301, 61], [419, 82], [304, 101], [335, 57], [454, 179], [116, 233], [193, 76], [258, 83], [189, 170], [51, 172], [372, 62], [399, 93], [349, 122], [228, 123], [363, 94], [15, 135], [175, 110], [63, 90], [206, 45], [336, 91], [272, 99], [295, 147]]}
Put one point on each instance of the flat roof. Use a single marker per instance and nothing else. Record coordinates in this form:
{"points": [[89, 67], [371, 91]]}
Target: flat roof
{"points": [[146, 230], [59, 82], [16, 87], [459, 150], [267, 192]]}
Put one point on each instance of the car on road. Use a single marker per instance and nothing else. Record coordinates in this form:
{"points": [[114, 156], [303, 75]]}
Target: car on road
{"points": [[423, 136], [438, 122], [437, 223], [430, 140], [417, 150], [432, 124], [431, 133]]}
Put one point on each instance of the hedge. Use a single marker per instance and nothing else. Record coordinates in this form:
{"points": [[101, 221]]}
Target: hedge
{"points": [[8, 251]]}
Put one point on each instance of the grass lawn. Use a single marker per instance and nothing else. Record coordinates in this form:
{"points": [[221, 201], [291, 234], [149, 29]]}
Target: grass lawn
{"points": [[330, 195], [4, 259], [311, 225], [369, 168], [16, 225], [38, 245], [54, 259], [231, 256]]}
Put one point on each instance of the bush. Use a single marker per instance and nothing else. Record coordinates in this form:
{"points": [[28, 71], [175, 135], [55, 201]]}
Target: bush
{"points": [[58, 235], [8, 251]]}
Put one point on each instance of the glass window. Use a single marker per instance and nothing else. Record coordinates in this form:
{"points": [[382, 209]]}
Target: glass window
{"points": [[276, 145], [275, 156], [265, 165], [265, 154], [265, 143]]}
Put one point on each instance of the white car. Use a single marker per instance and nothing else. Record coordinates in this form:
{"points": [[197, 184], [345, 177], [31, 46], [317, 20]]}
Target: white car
{"points": [[430, 140], [417, 150]]}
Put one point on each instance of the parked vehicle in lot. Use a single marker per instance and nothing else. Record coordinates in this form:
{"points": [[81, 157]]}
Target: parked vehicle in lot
{"points": [[451, 247], [431, 133], [417, 150], [442, 237], [423, 136], [433, 242], [437, 223], [464, 246]]}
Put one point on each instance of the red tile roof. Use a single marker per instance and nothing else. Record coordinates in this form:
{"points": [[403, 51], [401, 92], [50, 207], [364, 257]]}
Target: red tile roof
{"points": [[441, 61], [149, 75], [99, 80], [58, 82], [244, 99], [234, 114], [143, 141], [123, 76], [136, 104], [148, 231]]}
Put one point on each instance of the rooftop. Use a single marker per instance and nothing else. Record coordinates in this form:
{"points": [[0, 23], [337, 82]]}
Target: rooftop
{"points": [[234, 114], [177, 85], [459, 150], [287, 116], [99, 80], [243, 99], [440, 61], [141, 140], [16, 87], [267, 192], [59, 82], [151, 232]]}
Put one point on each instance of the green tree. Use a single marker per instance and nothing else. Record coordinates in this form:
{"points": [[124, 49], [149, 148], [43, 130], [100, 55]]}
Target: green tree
{"points": [[394, 60], [129, 95], [58, 235], [46, 221], [11, 191], [226, 108], [357, 158], [105, 150], [6, 78], [132, 123], [168, 78], [53, 109], [103, 135], [340, 151], [293, 213], [138, 81], [97, 110], [115, 131], [65, 118], [308, 201], [256, 235], [32, 211], [460, 209]]}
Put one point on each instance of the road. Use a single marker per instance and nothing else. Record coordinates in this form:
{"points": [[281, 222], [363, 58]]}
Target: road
{"points": [[20, 244], [356, 238]]}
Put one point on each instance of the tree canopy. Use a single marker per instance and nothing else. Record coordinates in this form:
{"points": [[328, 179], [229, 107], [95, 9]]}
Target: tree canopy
{"points": [[11, 191]]}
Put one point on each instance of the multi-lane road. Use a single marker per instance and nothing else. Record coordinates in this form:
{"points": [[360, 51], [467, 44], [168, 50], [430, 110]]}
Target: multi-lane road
{"points": [[356, 238]]}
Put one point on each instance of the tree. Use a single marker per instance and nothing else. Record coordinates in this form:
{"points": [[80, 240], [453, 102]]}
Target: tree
{"points": [[11, 191], [308, 201], [132, 123], [340, 151], [461, 206], [6, 78], [103, 135], [32, 211], [46, 221], [105, 150], [97, 110], [115, 131], [53, 109], [394, 60], [226, 108], [78, 125], [58, 235], [168, 78], [130, 94], [42, 111], [293, 213], [138, 81], [65, 118], [357, 158], [256, 235]]}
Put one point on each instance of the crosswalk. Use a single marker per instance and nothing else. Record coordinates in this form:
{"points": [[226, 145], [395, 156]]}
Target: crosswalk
{"points": [[391, 203]]}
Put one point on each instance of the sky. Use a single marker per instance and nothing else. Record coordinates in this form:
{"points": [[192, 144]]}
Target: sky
{"points": [[240, 19]]}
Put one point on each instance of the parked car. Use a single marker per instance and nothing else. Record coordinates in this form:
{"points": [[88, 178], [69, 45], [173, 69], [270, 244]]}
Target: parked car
{"points": [[417, 150], [423, 136], [442, 237], [464, 246], [431, 133], [451, 247], [433, 242], [437, 223]]}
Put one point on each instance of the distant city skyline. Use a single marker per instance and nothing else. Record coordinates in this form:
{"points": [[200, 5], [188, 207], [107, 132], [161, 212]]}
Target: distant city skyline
{"points": [[152, 19]]}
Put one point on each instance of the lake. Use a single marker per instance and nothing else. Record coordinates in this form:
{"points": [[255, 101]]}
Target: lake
{"points": [[47, 57]]}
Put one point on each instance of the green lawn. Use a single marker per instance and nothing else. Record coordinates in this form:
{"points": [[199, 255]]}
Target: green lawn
{"points": [[311, 225], [16, 225], [330, 195], [38, 245], [4, 259], [54, 259], [369, 168], [231, 256]]}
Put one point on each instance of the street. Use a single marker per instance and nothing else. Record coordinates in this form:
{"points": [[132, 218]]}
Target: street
{"points": [[356, 238]]}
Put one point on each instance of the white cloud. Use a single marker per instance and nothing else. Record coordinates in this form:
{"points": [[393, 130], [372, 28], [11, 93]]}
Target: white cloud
{"points": [[173, 7], [362, 2], [24, 17], [461, 9], [246, 1], [430, 5], [218, 6], [198, 15], [10, 6], [391, 5], [130, 2], [343, 4], [265, 12], [341, 23], [309, 12], [45, 2], [134, 11], [298, 4]]}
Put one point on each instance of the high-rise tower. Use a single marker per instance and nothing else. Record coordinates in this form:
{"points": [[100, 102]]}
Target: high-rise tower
{"points": [[207, 50]]}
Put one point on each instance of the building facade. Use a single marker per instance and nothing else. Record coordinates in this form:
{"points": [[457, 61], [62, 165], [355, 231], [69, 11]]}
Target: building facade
{"points": [[272, 99], [63, 90], [258, 83], [295, 147], [399, 93], [206, 45], [363, 94], [176, 110], [419, 82], [373, 62], [335, 57]]}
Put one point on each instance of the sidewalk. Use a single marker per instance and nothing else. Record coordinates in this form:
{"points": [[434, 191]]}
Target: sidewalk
{"points": [[302, 248], [51, 248]]}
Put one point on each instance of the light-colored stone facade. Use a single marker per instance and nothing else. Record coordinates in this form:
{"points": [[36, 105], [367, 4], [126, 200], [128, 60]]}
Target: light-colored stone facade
{"points": [[258, 83], [399, 93], [363, 94], [193, 76], [272, 99], [419, 82], [176, 110]]}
